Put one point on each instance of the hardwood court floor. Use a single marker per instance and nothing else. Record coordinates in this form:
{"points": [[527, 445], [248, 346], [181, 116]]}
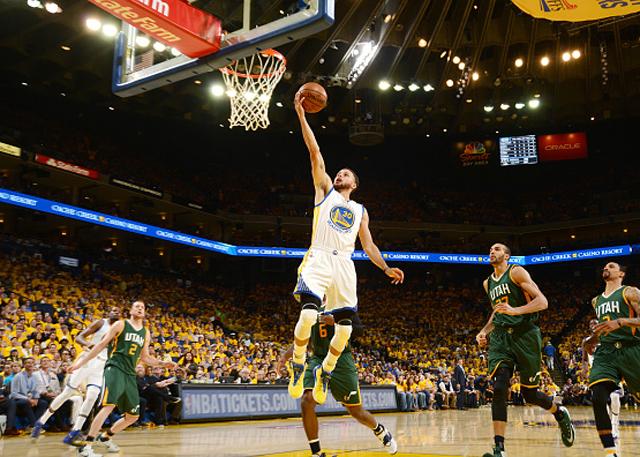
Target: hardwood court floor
{"points": [[531, 433]]}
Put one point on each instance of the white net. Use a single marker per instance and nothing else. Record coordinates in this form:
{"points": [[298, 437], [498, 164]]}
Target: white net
{"points": [[250, 83]]}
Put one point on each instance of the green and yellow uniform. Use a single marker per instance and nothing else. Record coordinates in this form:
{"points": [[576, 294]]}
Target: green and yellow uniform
{"points": [[344, 384], [618, 355], [120, 384], [516, 341]]}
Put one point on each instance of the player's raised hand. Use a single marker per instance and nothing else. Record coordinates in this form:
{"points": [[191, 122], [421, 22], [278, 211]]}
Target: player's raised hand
{"points": [[73, 367], [396, 275], [481, 339], [297, 104], [504, 308]]}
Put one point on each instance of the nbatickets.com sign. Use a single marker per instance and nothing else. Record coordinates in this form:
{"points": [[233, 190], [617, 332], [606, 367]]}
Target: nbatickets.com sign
{"points": [[201, 402]]}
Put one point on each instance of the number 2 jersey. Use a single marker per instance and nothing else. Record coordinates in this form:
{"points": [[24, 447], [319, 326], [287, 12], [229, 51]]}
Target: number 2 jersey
{"points": [[126, 347]]}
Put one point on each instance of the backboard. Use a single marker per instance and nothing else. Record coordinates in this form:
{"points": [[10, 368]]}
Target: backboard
{"points": [[249, 26]]}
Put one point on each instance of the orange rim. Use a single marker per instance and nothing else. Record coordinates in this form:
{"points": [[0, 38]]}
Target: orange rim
{"points": [[267, 52]]}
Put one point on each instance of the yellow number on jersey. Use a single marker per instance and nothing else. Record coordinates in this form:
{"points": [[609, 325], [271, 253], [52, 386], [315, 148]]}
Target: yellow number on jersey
{"points": [[133, 349], [323, 331]]}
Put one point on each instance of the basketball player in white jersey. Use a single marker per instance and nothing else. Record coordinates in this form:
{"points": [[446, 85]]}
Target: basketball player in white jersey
{"points": [[589, 345], [327, 268], [91, 375]]}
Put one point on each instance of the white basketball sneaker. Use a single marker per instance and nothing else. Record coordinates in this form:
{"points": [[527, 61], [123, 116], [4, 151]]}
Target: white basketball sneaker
{"points": [[104, 440]]}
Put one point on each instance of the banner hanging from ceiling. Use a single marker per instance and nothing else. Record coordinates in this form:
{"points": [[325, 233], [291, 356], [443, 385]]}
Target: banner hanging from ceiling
{"points": [[577, 10]]}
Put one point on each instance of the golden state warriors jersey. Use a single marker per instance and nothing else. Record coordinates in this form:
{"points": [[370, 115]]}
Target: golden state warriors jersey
{"points": [[336, 223]]}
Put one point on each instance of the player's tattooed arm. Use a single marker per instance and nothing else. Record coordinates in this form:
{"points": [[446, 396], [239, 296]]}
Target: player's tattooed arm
{"points": [[366, 240], [321, 180], [632, 295]]}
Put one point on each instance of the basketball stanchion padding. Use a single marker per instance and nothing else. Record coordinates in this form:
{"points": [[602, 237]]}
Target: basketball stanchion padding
{"points": [[250, 83]]}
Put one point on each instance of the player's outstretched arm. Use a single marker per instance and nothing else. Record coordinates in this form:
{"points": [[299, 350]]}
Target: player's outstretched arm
{"points": [[538, 301], [481, 337], [321, 180], [81, 339], [283, 359], [97, 348], [396, 274], [148, 359]]}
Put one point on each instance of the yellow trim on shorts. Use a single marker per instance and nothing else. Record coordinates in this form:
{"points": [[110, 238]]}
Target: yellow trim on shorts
{"points": [[495, 369], [530, 386], [603, 380]]}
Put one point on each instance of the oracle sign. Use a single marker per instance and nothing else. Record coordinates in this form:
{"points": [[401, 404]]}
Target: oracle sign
{"points": [[564, 146], [191, 31]]}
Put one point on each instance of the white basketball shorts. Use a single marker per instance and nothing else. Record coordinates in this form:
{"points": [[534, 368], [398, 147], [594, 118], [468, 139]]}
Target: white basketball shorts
{"points": [[92, 374], [331, 273]]}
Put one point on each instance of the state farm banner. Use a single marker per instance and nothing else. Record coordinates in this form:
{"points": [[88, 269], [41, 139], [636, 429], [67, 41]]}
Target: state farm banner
{"points": [[71, 168], [191, 31], [564, 146], [577, 10]]}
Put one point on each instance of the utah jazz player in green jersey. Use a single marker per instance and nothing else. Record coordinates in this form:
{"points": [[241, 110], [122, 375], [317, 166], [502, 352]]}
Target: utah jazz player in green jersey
{"points": [[344, 385], [618, 356], [128, 342], [515, 343]]}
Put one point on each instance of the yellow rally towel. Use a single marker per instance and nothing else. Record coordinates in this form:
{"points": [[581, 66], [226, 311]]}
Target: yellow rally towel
{"points": [[577, 10]]}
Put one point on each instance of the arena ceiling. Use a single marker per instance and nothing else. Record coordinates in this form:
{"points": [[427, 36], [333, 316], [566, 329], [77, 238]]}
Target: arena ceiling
{"points": [[420, 44]]}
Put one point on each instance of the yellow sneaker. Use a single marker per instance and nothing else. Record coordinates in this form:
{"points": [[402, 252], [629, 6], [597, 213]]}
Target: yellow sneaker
{"points": [[296, 378], [320, 385]]}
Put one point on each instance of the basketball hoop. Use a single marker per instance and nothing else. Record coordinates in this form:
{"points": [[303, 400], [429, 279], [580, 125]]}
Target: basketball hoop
{"points": [[250, 83]]}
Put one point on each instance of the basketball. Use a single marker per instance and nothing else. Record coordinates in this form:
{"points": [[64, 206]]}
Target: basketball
{"points": [[315, 97]]}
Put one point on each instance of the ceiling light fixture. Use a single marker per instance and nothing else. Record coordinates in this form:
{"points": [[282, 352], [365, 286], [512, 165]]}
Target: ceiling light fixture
{"points": [[566, 56], [422, 43], [576, 54], [449, 83], [519, 62], [143, 41], [475, 76], [384, 85], [413, 87], [398, 87], [217, 90], [159, 47], [93, 24], [544, 61], [534, 103], [488, 108], [109, 30]]}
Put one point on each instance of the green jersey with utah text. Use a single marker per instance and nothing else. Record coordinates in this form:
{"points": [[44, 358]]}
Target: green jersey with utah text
{"points": [[505, 290], [613, 307], [126, 347]]}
